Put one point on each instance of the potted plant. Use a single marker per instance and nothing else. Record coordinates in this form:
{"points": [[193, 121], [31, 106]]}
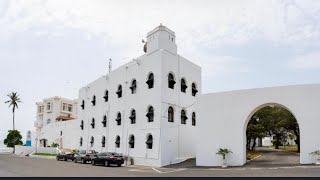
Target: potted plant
{"points": [[317, 154], [223, 152]]}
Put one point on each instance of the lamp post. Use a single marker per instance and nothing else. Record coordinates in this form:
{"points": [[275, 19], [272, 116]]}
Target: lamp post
{"points": [[36, 145]]}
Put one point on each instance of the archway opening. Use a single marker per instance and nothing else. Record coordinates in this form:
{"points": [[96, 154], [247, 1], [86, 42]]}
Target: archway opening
{"points": [[272, 137]]}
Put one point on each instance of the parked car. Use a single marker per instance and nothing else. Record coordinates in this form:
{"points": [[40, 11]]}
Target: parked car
{"points": [[65, 156], [84, 156], [108, 158]]}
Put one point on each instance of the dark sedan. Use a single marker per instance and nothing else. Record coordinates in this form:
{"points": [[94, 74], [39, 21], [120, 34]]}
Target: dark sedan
{"points": [[107, 158], [84, 156], [65, 156]]}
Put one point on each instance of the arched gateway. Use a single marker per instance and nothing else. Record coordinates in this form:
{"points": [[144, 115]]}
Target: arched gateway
{"points": [[223, 119]]}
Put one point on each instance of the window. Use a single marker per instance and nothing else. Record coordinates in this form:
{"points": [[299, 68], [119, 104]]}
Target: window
{"points": [[40, 109], [48, 121], [82, 105], [92, 123], [93, 100], [133, 116], [183, 117], [150, 114], [149, 141], [92, 141], [117, 142], [170, 114], [194, 89], [104, 121], [48, 106], [150, 80], [183, 85], [131, 141], [171, 81], [81, 140], [60, 133], [118, 119], [106, 96], [66, 107], [133, 86], [70, 107], [81, 125], [119, 92], [193, 119], [103, 141]]}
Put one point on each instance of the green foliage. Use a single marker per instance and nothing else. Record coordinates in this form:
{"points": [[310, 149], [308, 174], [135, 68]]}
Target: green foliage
{"points": [[315, 153], [223, 152], [54, 145], [13, 138], [13, 101], [45, 154]]}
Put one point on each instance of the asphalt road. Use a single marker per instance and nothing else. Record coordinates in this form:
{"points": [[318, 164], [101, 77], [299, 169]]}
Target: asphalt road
{"points": [[11, 165]]}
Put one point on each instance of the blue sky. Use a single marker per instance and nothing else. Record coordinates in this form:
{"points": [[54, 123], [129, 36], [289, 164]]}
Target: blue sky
{"points": [[54, 47]]}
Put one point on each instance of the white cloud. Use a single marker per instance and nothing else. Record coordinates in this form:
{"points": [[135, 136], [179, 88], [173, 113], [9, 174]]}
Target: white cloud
{"points": [[307, 61]]}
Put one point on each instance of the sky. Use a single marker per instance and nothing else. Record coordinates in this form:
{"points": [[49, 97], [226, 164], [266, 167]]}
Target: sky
{"points": [[55, 47]]}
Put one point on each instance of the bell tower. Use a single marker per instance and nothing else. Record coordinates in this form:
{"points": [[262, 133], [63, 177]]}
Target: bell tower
{"points": [[161, 38]]}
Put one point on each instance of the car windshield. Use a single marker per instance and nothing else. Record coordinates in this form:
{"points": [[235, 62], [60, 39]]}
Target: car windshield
{"points": [[82, 151], [91, 152], [115, 154]]}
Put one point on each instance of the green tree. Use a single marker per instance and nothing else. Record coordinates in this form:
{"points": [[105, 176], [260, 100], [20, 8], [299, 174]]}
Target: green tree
{"points": [[13, 101], [254, 131], [13, 138]]}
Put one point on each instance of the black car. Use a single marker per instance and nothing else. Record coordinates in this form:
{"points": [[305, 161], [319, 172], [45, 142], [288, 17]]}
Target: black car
{"points": [[107, 158], [84, 156], [65, 156]]}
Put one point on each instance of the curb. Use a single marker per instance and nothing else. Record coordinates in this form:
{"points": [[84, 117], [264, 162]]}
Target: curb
{"points": [[254, 158]]}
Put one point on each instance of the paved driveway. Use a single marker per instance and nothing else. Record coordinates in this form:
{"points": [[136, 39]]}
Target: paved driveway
{"points": [[274, 158]]}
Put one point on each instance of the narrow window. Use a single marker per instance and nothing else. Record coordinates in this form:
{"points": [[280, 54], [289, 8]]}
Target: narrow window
{"points": [[183, 85], [60, 133], [92, 123], [171, 81], [133, 116], [104, 121], [183, 117], [103, 141], [150, 114], [92, 141], [194, 89], [82, 105], [81, 125], [193, 119], [93, 100], [149, 141], [170, 114], [48, 121], [118, 119], [117, 142], [133, 86], [119, 92], [106, 96], [81, 140], [131, 141], [150, 80]]}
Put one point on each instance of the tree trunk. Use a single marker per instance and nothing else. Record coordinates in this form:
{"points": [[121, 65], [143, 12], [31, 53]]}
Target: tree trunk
{"points": [[254, 144], [297, 141], [277, 142], [13, 119]]}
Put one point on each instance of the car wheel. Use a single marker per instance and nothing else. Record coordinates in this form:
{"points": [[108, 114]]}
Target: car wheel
{"points": [[83, 161], [65, 159], [106, 163], [57, 158], [119, 165], [75, 160], [93, 162]]}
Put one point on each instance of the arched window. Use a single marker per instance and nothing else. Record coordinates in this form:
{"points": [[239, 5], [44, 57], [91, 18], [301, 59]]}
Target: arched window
{"points": [[171, 81], [92, 141], [118, 119], [103, 141], [82, 105], [150, 80], [81, 141], [92, 123], [183, 117], [48, 121], [193, 119], [131, 141], [133, 116], [81, 125], [106, 96], [93, 100], [117, 142], [150, 114], [104, 121], [133, 86], [149, 141], [170, 114], [194, 89], [119, 92], [183, 85]]}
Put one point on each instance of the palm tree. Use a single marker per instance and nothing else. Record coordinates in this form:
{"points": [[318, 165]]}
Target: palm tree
{"points": [[13, 101]]}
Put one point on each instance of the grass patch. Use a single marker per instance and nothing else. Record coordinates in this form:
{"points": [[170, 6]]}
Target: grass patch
{"points": [[45, 154], [252, 154], [293, 148]]}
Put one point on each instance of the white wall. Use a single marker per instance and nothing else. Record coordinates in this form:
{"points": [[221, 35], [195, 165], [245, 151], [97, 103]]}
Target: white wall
{"points": [[23, 150], [223, 119]]}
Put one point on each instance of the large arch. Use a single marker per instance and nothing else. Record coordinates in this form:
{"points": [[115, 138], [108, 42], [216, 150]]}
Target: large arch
{"points": [[223, 117]]}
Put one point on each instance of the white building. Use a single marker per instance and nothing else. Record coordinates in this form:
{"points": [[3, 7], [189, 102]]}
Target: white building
{"points": [[54, 121], [144, 108]]}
